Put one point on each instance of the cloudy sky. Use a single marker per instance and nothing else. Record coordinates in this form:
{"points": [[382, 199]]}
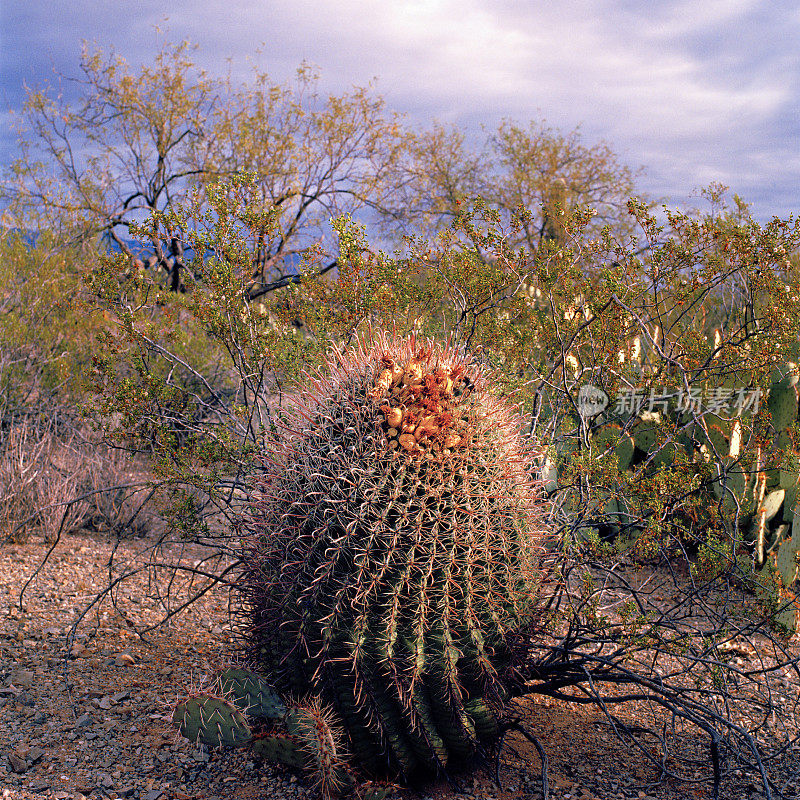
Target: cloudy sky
{"points": [[693, 91]]}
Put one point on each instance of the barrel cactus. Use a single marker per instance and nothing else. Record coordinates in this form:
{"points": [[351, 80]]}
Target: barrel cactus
{"points": [[394, 543]]}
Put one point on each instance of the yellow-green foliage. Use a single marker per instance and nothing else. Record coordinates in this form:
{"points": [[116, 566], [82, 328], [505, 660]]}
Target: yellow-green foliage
{"points": [[46, 338]]}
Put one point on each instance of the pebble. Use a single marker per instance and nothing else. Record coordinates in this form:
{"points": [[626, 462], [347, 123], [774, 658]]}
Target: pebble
{"points": [[17, 764], [84, 721], [21, 678]]}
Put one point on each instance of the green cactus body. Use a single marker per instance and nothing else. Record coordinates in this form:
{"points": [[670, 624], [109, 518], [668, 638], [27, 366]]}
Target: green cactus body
{"points": [[251, 694], [645, 434], [398, 544], [610, 514], [304, 736], [786, 560], [789, 502], [782, 404], [716, 441], [484, 720], [613, 436], [625, 449], [785, 376], [373, 790], [320, 742], [731, 484], [606, 437], [280, 748], [211, 721], [787, 478], [664, 457]]}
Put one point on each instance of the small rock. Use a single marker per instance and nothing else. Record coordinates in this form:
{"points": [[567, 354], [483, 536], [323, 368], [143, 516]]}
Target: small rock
{"points": [[124, 660], [17, 764], [21, 678], [153, 794], [84, 721], [34, 754], [105, 703]]}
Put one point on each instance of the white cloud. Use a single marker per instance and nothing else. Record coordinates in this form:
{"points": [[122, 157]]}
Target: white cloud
{"points": [[589, 66]]}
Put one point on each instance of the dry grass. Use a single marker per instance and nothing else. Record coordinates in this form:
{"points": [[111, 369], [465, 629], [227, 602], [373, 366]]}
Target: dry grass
{"points": [[54, 478]]}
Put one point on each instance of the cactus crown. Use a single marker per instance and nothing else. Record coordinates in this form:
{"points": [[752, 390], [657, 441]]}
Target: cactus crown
{"points": [[395, 545]]}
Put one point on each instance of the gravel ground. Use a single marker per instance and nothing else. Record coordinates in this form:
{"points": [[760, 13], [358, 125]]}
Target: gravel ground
{"points": [[97, 723]]}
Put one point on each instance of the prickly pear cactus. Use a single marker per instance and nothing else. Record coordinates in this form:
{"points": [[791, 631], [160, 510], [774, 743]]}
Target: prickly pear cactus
{"points": [[251, 694], [784, 561], [301, 735], [211, 721], [756, 495], [396, 543]]}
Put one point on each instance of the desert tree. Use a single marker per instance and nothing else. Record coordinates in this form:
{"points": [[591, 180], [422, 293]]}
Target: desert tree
{"points": [[137, 141], [542, 169]]}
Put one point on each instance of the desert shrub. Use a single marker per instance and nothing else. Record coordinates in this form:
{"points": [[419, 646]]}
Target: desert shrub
{"points": [[53, 476]]}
